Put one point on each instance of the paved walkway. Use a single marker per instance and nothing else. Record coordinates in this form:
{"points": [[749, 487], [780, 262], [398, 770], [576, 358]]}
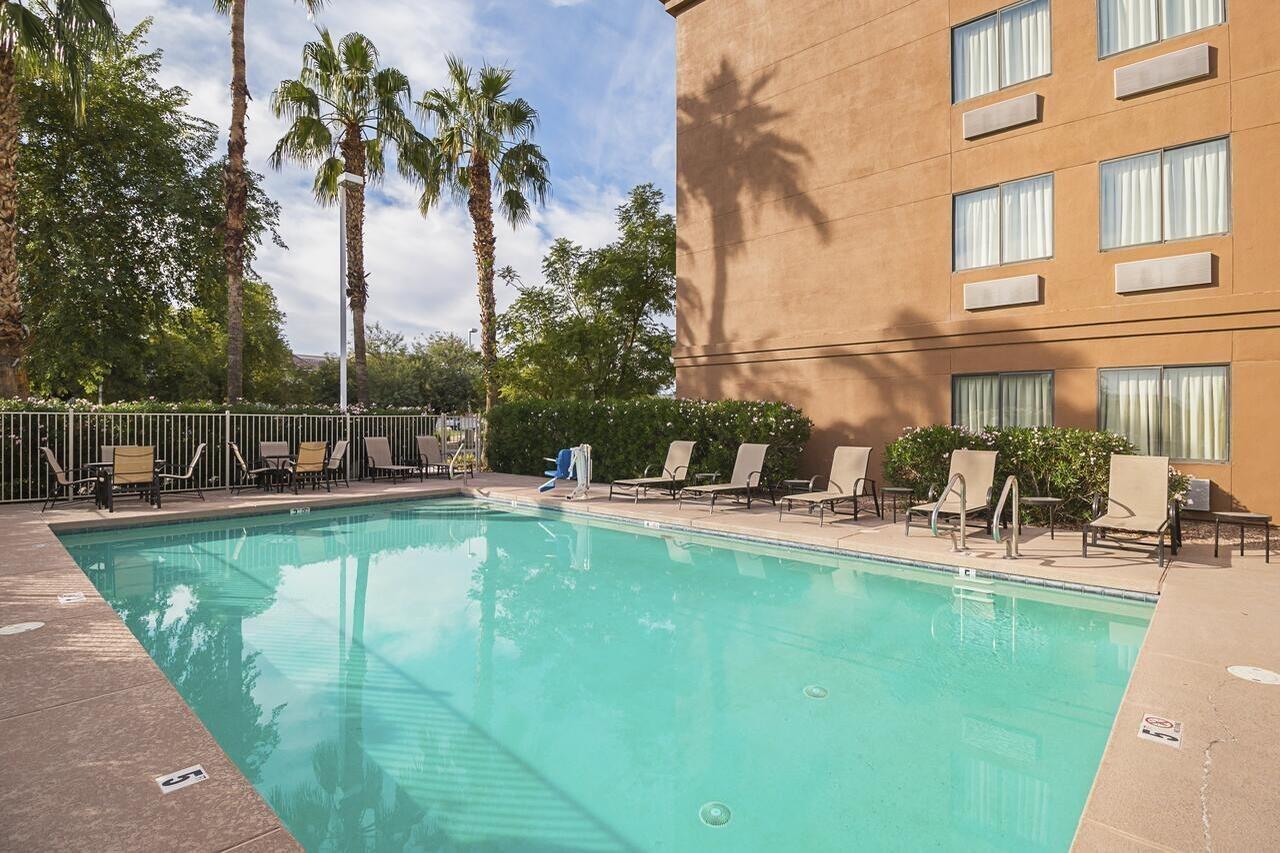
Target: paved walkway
{"points": [[87, 720]]}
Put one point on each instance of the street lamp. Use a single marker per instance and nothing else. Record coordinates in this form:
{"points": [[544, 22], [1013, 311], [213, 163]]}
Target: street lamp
{"points": [[471, 332], [354, 180]]}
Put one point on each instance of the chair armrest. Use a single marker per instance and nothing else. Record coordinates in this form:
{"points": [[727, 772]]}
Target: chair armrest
{"points": [[863, 481], [675, 475], [647, 469], [813, 481], [759, 475]]}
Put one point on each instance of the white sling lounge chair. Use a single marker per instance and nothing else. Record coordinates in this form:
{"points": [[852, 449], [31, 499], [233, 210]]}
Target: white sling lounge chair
{"points": [[846, 483], [377, 451], [978, 468], [674, 472], [744, 481], [1137, 503]]}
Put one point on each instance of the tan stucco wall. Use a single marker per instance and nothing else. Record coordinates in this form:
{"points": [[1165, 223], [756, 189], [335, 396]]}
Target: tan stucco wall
{"points": [[818, 151]]}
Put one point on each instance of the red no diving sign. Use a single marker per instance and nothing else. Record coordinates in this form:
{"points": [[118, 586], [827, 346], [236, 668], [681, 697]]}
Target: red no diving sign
{"points": [[1161, 730]]}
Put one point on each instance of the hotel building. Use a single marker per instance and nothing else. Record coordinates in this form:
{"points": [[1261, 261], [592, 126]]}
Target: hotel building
{"points": [[1067, 212]]}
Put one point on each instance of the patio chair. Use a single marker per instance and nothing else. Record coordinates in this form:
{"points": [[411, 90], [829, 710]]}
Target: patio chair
{"points": [[674, 471], [431, 457], [274, 454], [377, 451], [978, 468], [189, 475], [745, 480], [257, 476], [105, 452], [1137, 504], [336, 468], [846, 483], [133, 469], [310, 465], [69, 482]]}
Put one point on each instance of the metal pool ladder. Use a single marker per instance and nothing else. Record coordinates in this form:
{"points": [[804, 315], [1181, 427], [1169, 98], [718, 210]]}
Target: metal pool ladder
{"points": [[1011, 543], [964, 518]]}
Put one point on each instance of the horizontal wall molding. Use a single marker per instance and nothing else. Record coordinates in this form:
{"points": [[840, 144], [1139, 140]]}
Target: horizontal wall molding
{"points": [[1002, 115], [1190, 63], [1223, 313], [997, 293], [1165, 273]]}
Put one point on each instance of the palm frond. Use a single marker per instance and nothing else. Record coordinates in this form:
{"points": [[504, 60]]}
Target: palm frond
{"points": [[325, 186], [308, 140]]}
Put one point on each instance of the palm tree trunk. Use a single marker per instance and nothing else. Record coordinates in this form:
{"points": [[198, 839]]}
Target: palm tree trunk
{"points": [[357, 283], [480, 205], [237, 193], [13, 334]]}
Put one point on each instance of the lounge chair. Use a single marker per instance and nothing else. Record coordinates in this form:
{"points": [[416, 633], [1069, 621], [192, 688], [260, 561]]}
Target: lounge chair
{"points": [[69, 482], [188, 476], [1137, 503], [257, 476], [377, 451], [674, 471], [309, 466], [133, 469], [335, 467], [846, 484], [978, 467], [431, 457], [745, 480]]}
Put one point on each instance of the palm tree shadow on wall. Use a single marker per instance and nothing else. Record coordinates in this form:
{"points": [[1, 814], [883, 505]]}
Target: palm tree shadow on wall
{"points": [[756, 164]]}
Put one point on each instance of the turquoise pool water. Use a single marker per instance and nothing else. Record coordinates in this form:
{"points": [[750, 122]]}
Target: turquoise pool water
{"points": [[446, 674]]}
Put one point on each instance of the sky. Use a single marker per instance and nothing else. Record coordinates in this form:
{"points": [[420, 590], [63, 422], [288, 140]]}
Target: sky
{"points": [[600, 72]]}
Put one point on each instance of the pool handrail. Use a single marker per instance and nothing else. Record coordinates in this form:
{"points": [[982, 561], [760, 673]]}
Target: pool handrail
{"points": [[1010, 544]]}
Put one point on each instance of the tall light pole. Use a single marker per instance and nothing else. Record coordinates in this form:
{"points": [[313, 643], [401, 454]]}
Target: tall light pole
{"points": [[357, 180], [471, 332]]}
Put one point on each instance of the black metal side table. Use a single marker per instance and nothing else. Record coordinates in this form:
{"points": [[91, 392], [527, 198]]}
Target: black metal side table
{"points": [[896, 495], [1051, 503], [1243, 520]]}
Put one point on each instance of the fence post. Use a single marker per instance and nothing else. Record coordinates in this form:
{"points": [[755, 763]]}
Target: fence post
{"points": [[226, 450]]}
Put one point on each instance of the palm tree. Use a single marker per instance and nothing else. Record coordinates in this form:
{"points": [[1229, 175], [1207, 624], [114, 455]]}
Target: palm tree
{"points": [[236, 186], [482, 145], [344, 112], [49, 37]]}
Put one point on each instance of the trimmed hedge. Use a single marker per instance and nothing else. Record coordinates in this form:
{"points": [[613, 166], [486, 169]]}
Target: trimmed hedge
{"points": [[1072, 464], [627, 435], [154, 406]]}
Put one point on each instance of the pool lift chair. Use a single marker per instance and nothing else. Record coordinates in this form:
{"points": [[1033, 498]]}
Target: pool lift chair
{"points": [[571, 463]]}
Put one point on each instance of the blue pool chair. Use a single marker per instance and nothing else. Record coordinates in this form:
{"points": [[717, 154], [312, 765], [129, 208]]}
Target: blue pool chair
{"points": [[563, 461]]}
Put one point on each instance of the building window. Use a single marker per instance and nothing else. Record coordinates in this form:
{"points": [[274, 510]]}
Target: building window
{"points": [[1002, 400], [1179, 412], [1004, 48], [1004, 224], [1167, 195], [1126, 24]]}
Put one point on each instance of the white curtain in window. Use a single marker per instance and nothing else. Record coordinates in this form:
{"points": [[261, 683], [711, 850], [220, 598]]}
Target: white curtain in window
{"points": [[1197, 196], [1184, 16], [1123, 24], [977, 234], [1131, 201], [1024, 37], [1195, 413], [1027, 399], [1129, 404], [973, 59], [976, 401], [1027, 219]]}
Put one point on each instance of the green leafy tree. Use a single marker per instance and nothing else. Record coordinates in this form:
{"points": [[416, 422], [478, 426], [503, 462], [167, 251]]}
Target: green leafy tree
{"points": [[46, 39], [598, 328], [481, 145], [440, 373], [344, 112], [120, 222], [236, 181]]}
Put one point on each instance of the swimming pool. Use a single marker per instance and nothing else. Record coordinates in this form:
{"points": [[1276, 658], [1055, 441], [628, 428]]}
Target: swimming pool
{"points": [[448, 673]]}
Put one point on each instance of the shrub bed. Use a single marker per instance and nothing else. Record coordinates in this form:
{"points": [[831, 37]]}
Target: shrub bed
{"points": [[627, 435], [1072, 464]]}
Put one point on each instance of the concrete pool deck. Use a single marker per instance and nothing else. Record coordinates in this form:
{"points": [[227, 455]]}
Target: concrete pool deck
{"points": [[87, 720]]}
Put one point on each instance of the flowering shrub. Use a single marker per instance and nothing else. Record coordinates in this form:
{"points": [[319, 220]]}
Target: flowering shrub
{"points": [[1072, 464], [627, 435], [153, 406]]}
